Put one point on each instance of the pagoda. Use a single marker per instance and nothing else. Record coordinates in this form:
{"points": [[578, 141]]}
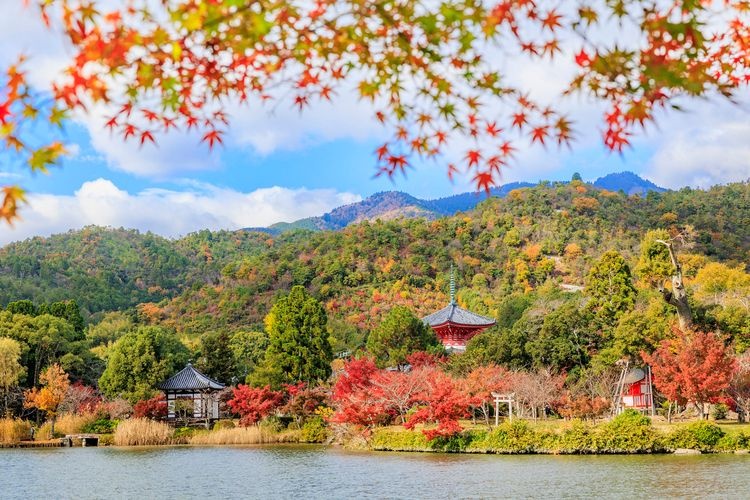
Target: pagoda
{"points": [[454, 325]]}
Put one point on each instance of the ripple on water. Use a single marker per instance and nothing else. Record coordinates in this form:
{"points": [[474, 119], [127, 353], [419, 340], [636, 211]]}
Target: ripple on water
{"points": [[318, 472]]}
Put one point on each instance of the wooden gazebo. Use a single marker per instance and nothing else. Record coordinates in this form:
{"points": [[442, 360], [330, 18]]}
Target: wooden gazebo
{"points": [[192, 395]]}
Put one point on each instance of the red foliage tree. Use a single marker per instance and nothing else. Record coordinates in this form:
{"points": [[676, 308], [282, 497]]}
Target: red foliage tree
{"points": [[303, 400], [422, 358], [440, 401], [739, 387], [254, 403], [584, 406], [481, 382], [692, 367], [396, 390], [354, 397], [80, 399], [154, 408]]}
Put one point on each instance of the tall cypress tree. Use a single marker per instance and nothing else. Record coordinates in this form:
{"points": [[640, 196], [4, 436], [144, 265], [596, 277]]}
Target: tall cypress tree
{"points": [[298, 350], [609, 284]]}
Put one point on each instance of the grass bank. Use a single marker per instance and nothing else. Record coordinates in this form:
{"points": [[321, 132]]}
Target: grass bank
{"points": [[626, 434]]}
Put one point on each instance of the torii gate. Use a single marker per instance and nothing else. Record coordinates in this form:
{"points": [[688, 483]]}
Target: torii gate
{"points": [[503, 398]]}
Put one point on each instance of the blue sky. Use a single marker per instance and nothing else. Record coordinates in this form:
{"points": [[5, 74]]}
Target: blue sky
{"points": [[280, 166]]}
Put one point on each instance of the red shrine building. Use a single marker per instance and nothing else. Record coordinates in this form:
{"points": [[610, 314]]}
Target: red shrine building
{"points": [[455, 326], [635, 390]]}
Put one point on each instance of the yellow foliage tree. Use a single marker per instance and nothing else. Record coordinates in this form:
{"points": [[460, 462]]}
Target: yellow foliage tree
{"points": [[50, 396]]}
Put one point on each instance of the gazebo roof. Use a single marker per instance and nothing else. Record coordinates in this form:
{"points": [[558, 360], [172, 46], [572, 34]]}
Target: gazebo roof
{"points": [[456, 315], [190, 379], [634, 375]]}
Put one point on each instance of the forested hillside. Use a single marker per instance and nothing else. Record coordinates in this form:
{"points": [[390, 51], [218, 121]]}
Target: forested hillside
{"points": [[571, 273], [505, 247], [107, 269]]}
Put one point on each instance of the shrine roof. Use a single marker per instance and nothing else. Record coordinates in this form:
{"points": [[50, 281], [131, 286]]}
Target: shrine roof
{"points": [[457, 315], [190, 379]]}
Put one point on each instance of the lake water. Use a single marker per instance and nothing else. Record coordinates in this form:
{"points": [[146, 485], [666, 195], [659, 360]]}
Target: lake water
{"points": [[319, 472]]}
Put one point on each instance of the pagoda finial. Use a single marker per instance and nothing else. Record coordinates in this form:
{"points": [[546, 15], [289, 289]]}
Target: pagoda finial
{"points": [[453, 287]]}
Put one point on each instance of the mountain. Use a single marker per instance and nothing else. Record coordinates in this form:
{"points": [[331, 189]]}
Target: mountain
{"points": [[229, 278], [390, 205], [386, 205], [627, 182]]}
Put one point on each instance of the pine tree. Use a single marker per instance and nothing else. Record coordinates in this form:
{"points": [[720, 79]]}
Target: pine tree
{"points": [[299, 349], [609, 284]]}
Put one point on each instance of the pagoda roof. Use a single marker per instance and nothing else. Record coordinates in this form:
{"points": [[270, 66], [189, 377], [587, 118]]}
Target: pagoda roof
{"points": [[190, 379], [456, 315]]}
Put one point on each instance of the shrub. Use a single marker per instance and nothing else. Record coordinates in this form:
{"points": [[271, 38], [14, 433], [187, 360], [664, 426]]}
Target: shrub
{"points": [[224, 424], [577, 438], [509, 437], [701, 435], [100, 426], [13, 430], [142, 432], [399, 440], [314, 431], [106, 439], [720, 411], [154, 408], [628, 432]]}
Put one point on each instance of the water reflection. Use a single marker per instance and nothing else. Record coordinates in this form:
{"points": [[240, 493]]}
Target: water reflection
{"points": [[318, 472]]}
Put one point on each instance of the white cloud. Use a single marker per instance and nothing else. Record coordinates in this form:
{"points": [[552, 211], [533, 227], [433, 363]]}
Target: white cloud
{"points": [[169, 212], [703, 147]]}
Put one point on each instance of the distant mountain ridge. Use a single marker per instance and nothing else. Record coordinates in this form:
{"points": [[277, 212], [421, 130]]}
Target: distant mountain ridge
{"points": [[627, 182], [389, 205]]}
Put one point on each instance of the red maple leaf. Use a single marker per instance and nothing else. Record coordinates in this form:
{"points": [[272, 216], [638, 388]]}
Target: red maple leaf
{"points": [[212, 137], [473, 157], [146, 135]]}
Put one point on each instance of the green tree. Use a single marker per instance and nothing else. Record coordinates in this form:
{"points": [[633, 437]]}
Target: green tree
{"points": [[11, 370], [141, 360], [298, 349], [67, 310], [215, 356], [637, 331], [658, 262], [111, 327], [609, 285], [46, 339], [496, 346], [248, 351], [565, 340], [21, 307], [398, 335]]}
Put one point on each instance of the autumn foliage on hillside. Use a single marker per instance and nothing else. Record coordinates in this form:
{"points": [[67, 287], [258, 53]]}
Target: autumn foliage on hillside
{"points": [[428, 68]]}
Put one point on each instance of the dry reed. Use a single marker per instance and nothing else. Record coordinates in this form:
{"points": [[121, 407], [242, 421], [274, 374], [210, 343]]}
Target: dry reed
{"points": [[244, 435], [13, 430], [44, 433], [72, 424], [142, 432]]}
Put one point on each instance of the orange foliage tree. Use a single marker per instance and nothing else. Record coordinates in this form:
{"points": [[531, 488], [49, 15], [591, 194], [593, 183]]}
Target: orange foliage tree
{"points": [[429, 68], [692, 367], [51, 395]]}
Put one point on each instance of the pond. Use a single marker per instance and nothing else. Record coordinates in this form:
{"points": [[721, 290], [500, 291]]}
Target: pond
{"points": [[320, 472]]}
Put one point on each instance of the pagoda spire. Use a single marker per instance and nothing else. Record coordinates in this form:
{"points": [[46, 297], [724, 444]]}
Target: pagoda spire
{"points": [[453, 287]]}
